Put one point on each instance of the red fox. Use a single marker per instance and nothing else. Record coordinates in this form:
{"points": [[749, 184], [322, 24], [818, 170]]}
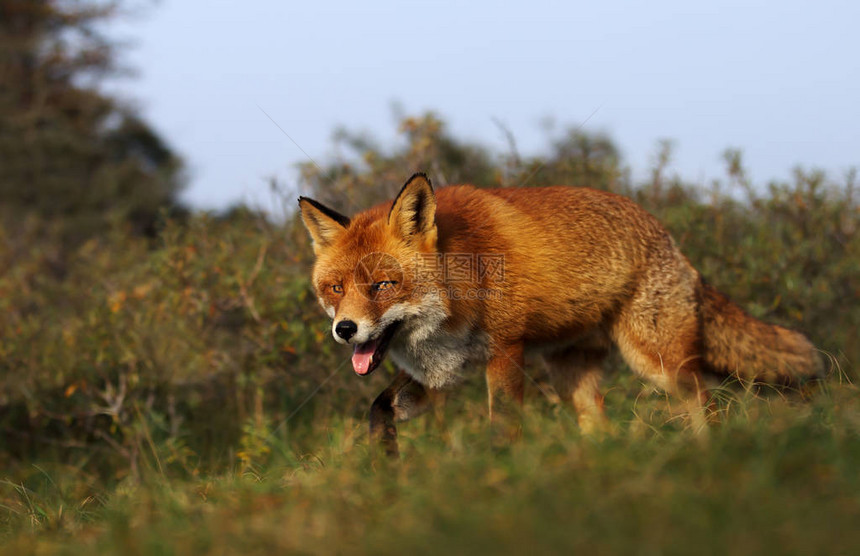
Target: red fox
{"points": [[464, 275]]}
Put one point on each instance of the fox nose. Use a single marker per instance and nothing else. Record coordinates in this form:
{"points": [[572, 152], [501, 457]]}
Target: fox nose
{"points": [[346, 329]]}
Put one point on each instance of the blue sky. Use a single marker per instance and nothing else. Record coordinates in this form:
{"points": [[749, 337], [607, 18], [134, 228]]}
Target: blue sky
{"points": [[780, 80]]}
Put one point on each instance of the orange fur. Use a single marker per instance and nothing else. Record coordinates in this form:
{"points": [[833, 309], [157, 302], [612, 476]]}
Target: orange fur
{"points": [[583, 269]]}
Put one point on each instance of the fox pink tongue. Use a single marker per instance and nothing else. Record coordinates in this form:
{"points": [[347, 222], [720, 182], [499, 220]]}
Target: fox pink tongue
{"points": [[362, 356]]}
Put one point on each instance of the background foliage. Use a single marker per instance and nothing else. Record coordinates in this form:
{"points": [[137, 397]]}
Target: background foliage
{"points": [[70, 153]]}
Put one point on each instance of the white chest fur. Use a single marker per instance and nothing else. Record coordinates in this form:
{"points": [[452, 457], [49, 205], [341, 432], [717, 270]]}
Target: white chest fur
{"points": [[437, 360], [425, 348]]}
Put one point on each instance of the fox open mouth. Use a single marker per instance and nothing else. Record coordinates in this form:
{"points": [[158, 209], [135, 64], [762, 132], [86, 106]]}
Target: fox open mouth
{"points": [[367, 356]]}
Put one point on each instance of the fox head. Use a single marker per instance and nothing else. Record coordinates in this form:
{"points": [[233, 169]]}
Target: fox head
{"points": [[366, 269]]}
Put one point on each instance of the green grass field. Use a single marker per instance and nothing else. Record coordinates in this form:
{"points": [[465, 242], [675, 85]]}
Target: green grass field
{"points": [[777, 475]]}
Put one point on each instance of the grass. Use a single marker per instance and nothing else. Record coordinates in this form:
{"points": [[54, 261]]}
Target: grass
{"points": [[777, 475]]}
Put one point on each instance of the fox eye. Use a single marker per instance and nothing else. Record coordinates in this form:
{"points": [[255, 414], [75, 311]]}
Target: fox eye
{"points": [[383, 285], [337, 288]]}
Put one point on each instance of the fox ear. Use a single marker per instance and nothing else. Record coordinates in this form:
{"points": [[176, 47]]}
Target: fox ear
{"points": [[413, 214], [323, 223]]}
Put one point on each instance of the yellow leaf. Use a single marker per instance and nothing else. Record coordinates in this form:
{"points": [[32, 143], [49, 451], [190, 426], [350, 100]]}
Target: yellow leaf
{"points": [[140, 291], [116, 301]]}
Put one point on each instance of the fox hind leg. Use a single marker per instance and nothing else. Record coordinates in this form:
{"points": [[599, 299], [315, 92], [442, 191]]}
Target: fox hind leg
{"points": [[660, 338], [576, 374]]}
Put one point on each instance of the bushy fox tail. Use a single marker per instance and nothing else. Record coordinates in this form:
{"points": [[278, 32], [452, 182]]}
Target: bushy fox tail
{"points": [[737, 344]]}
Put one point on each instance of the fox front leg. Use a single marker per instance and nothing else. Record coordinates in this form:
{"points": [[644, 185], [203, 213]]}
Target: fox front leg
{"points": [[505, 384], [403, 399]]}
